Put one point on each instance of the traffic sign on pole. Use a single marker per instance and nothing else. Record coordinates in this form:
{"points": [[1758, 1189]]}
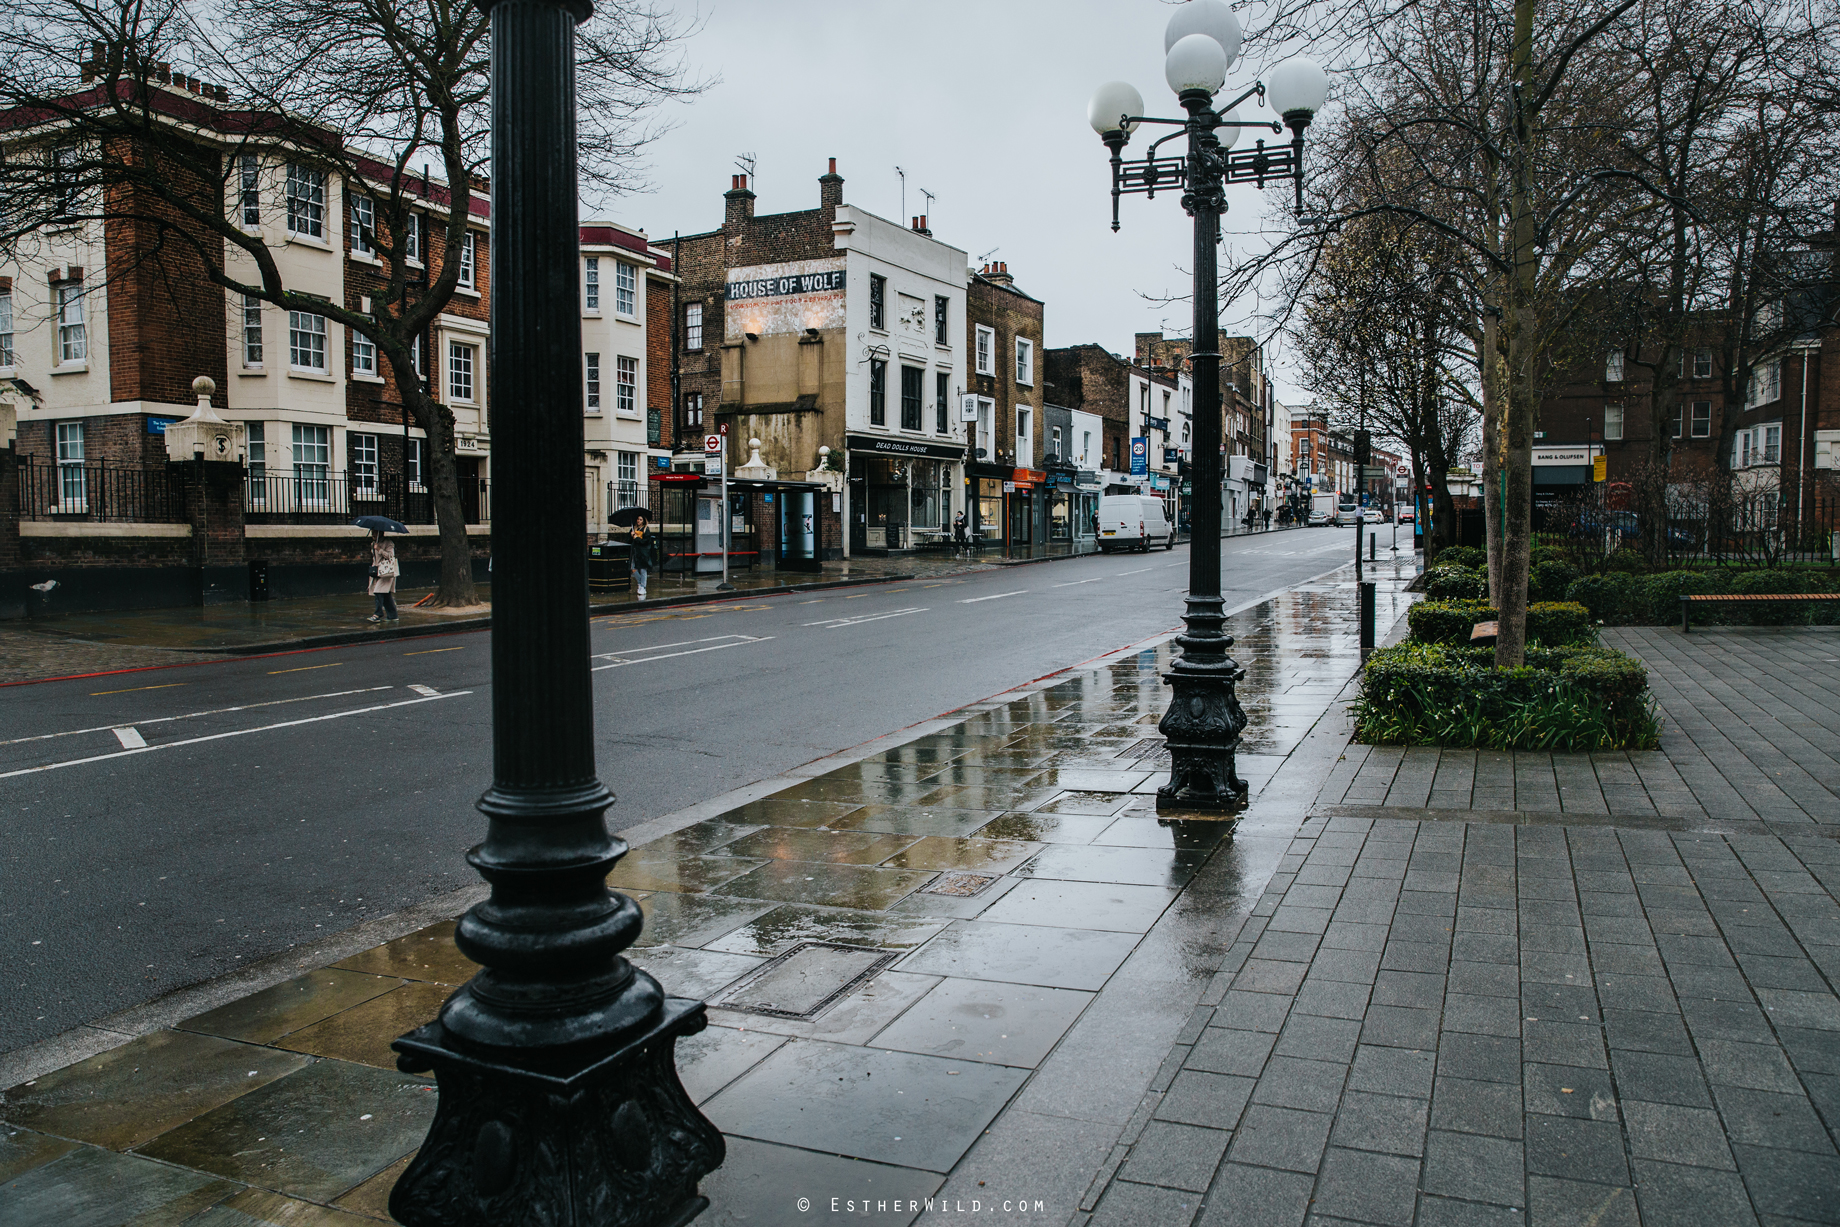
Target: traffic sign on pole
{"points": [[712, 443]]}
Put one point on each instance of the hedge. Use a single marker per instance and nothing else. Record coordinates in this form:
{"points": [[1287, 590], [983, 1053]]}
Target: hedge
{"points": [[1456, 584], [1463, 556], [1624, 598], [1573, 698], [1553, 623], [1654, 600]]}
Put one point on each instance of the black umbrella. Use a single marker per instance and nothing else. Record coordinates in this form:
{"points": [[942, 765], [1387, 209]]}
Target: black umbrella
{"points": [[626, 517], [380, 524]]}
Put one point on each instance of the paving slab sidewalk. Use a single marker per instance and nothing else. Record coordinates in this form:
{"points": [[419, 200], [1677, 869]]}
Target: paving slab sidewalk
{"points": [[1526, 989], [1017, 939]]}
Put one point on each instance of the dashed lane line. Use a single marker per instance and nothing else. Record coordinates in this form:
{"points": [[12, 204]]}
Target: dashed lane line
{"points": [[995, 596], [192, 741], [216, 711]]}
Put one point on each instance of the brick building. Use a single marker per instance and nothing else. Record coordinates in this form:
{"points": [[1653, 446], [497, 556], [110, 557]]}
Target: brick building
{"points": [[825, 328], [1010, 501], [1247, 407], [1141, 405], [103, 330]]}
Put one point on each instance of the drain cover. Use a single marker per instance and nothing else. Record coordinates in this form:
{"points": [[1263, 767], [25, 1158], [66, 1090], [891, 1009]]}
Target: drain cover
{"points": [[959, 885], [805, 980]]}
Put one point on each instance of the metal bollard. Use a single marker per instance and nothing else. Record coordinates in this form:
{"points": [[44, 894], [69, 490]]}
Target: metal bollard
{"points": [[1367, 619]]}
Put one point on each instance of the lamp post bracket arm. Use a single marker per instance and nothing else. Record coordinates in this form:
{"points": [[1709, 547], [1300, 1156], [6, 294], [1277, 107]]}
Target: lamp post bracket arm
{"points": [[1151, 119]]}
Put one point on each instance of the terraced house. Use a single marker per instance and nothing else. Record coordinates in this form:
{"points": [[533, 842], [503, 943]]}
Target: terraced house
{"points": [[106, 321]]}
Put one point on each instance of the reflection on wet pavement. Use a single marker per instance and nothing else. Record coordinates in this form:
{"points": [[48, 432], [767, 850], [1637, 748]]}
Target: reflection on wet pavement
{"points": [[1036, 915]]}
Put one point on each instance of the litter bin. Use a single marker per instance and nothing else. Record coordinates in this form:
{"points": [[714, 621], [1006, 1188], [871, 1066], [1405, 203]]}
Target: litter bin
{"points": [[609, 567]]}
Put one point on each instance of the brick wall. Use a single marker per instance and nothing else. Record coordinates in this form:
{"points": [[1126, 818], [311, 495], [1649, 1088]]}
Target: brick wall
{"points": [[1090, 378], [166, 318], [991, 302], [118, 438], [658, 321]]}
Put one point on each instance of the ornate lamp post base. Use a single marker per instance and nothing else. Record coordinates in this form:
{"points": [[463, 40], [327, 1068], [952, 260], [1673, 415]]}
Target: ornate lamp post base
{"points": [[614, 1141], [1204, 719]]}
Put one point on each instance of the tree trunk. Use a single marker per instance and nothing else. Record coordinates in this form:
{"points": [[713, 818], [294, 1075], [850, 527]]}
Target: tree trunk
{"points": [[1492, 403], [456, 587]]}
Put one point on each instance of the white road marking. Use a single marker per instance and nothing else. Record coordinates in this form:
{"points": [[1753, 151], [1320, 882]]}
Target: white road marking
{"points": [[715, 644], [420, 689], [1077, 582], [835, 623], [995, 596], [192, 741], [217, 711], [130, 738], [1139, 571]]}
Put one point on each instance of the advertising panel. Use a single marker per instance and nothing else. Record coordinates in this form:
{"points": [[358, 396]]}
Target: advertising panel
{"points": [[776, 299]]}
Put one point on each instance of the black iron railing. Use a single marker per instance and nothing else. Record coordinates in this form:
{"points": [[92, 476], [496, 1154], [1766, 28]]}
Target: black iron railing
{"points": [[100, 491], [1736, 529], [315, 496]]}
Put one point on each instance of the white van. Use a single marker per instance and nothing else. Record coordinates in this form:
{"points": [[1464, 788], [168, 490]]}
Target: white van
{"points": [[1133, 521]]}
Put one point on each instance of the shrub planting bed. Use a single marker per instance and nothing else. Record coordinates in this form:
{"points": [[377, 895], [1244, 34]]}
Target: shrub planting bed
{"points": [[1564, 698]]}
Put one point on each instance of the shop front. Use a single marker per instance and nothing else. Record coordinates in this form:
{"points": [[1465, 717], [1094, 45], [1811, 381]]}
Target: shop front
{"points": [[1072, 499], [1011, 510], [900, 492]]}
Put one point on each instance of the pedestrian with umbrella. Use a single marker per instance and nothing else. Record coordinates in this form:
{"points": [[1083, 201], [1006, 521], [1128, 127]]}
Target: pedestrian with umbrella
{"points": [[642, 549], [383, 566]]}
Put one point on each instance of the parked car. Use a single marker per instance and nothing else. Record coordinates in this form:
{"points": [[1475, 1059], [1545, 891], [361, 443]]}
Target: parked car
{"points": [[1408, 515], [1625, 528], [1133, 521]]}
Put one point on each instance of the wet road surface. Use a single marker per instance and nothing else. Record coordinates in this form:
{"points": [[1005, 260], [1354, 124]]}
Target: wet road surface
{"points": [[166, 826]]}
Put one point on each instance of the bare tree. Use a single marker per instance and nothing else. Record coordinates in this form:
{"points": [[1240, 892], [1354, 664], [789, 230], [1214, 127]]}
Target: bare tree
{"points": [[1380, 338], [361, 91]]}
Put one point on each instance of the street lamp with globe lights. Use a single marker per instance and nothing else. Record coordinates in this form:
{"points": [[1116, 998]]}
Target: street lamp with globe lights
{"points": [[1204, 720]]}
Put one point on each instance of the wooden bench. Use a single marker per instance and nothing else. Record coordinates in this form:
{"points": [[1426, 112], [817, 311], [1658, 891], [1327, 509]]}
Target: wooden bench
{"points": [[1688, 602]]}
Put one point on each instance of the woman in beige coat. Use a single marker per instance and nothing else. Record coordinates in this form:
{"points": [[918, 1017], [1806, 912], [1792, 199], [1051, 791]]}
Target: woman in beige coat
{"points": [[383, 578]]}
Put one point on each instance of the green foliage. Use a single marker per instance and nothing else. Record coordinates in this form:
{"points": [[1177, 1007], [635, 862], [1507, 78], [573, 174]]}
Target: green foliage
{"points": [[1657, 597], [1560, 624], [1551, 577], [1553, 623], [1573, 698], [1625, 560], [1464, 556], [1456, 584], [1611, 598], [1447, 622]]}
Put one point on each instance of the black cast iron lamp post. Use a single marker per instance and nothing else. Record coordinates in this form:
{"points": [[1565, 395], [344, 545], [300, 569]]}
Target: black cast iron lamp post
{"points": [[1204, 720], [559, 1099]]}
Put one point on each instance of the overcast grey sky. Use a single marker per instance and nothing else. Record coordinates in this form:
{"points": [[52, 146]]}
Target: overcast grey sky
{"points": [[982, 102]]}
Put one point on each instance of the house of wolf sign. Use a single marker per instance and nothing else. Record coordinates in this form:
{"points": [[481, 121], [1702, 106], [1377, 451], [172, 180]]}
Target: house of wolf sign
{"points": [[769, 299]]}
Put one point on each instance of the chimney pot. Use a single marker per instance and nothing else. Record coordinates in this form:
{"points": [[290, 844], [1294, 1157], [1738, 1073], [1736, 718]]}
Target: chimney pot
{"points": [[833, 169]]}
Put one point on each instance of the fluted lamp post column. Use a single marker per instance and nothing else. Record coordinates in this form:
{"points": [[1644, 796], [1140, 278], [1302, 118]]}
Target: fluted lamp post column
{"points": [[560, 1104], [1204, 720]]}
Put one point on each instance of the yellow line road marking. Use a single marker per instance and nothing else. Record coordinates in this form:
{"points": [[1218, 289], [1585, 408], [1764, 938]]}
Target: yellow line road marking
{"points": [[432, 651], [335, 664], [132, 689]]}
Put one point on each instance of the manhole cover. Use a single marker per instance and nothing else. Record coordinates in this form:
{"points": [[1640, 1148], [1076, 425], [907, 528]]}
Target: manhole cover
{"points": [[959, 885], [806, 979]]}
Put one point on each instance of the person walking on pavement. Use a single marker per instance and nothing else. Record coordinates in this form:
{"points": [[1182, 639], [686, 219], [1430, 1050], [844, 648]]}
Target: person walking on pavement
{"points": [[959, 539], [1268, 519], [383, 578], [643, 552]]}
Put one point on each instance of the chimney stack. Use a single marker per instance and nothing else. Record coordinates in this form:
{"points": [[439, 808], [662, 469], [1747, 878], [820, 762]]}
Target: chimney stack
{"points": [[740, 208], [997, 273], [830, 189]]}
